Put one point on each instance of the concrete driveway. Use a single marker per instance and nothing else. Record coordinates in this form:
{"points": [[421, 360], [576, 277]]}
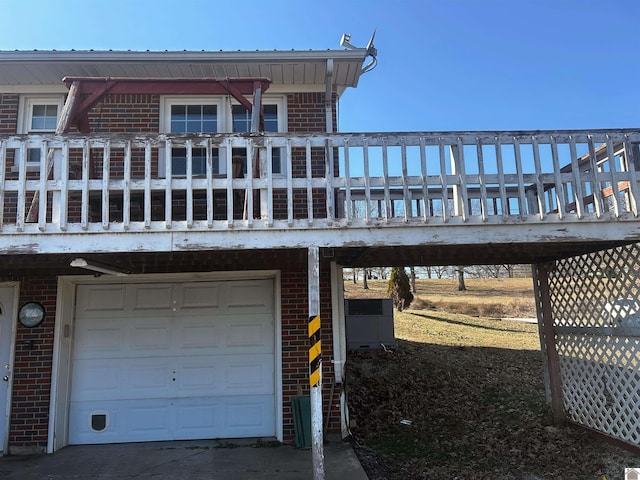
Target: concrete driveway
{"points": [[189, 460]]}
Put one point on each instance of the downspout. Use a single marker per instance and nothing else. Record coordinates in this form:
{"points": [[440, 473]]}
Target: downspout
{"points": [[337, 290], [339, 343], [328, 96]]}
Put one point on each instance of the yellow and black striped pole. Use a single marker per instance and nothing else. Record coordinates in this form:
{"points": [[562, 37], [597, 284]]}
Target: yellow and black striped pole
{"points": [[315, 350], [315, 363]]}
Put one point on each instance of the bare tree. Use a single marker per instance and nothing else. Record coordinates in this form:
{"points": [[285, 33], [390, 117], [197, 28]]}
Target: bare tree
{"points": [[510, 269], [365, 274], [461, 285], [489, 271], [382, 273], [412, 271], [440, 271]]}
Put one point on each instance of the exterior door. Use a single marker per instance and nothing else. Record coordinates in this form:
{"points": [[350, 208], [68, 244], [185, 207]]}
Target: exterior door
{"points": [[7, 316]]}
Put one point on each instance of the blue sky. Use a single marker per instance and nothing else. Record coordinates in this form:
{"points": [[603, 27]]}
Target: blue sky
{"points": [[442, 65]]}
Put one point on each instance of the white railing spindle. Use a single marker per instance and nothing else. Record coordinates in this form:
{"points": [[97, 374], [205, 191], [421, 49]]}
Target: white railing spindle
{"points": [[84, 215], [3, 168], [309, 176], [42, 200]]}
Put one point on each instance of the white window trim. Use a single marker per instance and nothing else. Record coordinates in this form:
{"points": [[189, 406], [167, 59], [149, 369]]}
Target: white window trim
{"points": [[225, 120], [25, 113]]}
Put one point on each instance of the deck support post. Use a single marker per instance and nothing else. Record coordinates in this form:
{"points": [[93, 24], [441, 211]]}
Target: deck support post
{"points": [[315, 363], [548, 340]]}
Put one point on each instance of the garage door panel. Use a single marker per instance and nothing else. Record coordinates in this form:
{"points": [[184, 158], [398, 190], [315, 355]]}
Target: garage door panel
{"points": [[121, 378], [245, 415], [151, 297], [174, 361], [94, 340], [249, 375], [148, 419], [126, 420], [150, 337], [226, 374], [222, 334], [179, 419], [198, 378], [201, 334], [200, 295], [250, 297], [100, 298], [95, 379], [250, 332]]}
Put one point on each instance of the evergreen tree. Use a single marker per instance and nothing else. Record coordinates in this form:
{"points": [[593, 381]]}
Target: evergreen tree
{"points": [[399, 289]]}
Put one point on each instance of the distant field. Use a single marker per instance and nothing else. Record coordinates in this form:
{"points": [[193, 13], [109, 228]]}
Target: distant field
{"points": [[496, 297]]}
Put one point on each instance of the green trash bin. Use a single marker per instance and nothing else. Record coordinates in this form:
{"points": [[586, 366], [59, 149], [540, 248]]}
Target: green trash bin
{"points": [[301, 406]]}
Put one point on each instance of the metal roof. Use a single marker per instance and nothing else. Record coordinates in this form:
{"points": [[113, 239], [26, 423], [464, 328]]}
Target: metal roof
{"points": [[295, 67]]}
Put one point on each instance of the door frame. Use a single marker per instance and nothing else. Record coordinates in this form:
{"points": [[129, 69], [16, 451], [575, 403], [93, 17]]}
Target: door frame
{"points": [[64, 334], [12, 354]]}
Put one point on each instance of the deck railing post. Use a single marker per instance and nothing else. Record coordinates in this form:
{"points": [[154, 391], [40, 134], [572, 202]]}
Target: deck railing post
{"points": [[460, 206], [548, 340], [56, 197]]}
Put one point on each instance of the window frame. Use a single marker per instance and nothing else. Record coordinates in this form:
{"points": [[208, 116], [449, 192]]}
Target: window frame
{"points": [[280, 101], [224, 121], [25, 116], [166, 102]]}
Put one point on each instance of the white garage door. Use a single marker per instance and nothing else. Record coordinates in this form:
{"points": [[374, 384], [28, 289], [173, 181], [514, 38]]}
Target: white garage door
{"points": [[173, 361]]}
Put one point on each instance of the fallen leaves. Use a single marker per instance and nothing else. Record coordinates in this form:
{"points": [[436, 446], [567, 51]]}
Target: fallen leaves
{"points": [[475, 412]]}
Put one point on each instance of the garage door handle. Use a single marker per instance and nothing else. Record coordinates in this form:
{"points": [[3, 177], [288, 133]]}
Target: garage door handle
{"points": [[6, 378]]}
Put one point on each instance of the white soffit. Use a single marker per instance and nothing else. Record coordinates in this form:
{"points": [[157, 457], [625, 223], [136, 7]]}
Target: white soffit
{"points": [[298, 68]]}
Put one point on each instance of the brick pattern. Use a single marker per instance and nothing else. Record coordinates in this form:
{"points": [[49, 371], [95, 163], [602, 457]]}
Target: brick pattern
{"points": [[8, 113], [32, 368], [126, 114], [306, 112]]}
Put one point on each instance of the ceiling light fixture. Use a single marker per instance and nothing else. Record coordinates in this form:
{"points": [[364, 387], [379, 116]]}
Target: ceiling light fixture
{"points": [[96, 267]]}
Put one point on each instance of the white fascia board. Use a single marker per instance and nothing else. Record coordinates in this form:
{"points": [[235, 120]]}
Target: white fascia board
{"points": [[358, 54], [34, 89]]}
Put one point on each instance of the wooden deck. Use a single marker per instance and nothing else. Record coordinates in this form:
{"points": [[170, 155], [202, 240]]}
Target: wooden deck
{"points": [[376, 190]]}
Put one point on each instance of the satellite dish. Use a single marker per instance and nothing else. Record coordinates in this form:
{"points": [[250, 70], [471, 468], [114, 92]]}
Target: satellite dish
{"points": [[371, 50]]}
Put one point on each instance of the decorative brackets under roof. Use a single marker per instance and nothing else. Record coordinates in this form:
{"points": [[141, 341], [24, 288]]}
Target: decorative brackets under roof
{"points": [[94, 89]]}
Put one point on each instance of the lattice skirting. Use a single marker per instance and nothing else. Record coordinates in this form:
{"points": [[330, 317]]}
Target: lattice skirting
{"points": [[595, 310]]}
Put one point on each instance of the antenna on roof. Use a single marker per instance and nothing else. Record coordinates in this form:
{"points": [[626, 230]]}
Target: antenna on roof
{"points": [[345, 41], [371, 52]]}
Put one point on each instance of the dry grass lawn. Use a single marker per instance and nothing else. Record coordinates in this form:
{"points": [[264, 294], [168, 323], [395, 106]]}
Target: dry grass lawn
{"points": [[462, 397], [496, 297]]}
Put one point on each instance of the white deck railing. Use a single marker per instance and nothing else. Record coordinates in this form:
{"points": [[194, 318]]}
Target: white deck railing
{"points": [[123, 183]]}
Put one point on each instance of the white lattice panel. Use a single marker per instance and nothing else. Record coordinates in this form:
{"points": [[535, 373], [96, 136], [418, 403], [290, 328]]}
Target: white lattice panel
{"points": [[596, 318]]}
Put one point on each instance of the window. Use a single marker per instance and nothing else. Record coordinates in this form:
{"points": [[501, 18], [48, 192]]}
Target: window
{"points": [[194, 118], [185, 114], [38, 114], [241, 118]]}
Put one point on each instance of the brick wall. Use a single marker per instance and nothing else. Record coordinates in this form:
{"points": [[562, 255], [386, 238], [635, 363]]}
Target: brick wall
{"points": [[126, 114], [8, 113], [306, 112], [31, 373], [32, 367]]}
